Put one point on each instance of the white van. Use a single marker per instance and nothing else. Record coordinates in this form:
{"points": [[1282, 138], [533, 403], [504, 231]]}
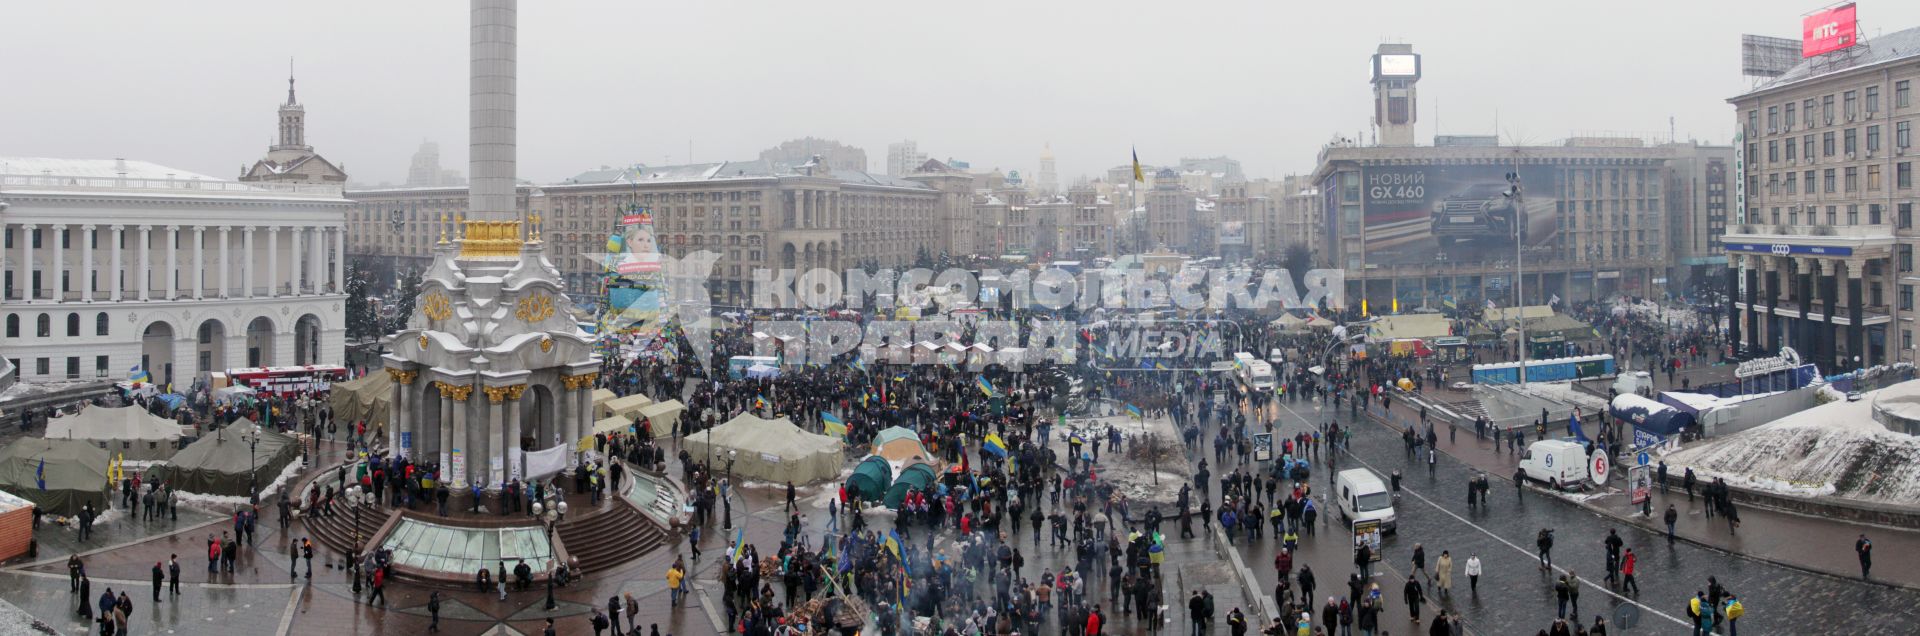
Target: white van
{"points": [[1560, 463], [1243, 358], [1364, 497], [1257, 376]]}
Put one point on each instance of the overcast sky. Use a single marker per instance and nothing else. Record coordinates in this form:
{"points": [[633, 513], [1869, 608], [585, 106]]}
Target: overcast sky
{"points": [[194, 85]]}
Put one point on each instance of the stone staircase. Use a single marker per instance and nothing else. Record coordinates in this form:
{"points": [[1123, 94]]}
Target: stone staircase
{"points": [[336, 531], [617, 534]]}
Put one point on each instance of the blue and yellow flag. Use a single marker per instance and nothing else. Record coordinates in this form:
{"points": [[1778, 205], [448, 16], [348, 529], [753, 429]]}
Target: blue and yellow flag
{"points": [[993, 444], [760, 402], [40, 474], [833, 424], [138, 374], [616, 242], [986, 387], [1138, 175], [739, 543], [1134, 411]]}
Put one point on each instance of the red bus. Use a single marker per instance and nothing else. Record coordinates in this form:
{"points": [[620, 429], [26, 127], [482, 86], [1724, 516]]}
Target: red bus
{"points": [[288, 380]]}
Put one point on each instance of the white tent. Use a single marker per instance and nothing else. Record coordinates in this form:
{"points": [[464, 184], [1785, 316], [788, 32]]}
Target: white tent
{"points": [[124, 431], [662, 415], [625, 407], [769, 450]]}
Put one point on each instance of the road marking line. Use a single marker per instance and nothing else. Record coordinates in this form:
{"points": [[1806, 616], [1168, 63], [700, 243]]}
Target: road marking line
{"points": [[1496, 537], [286, 615]]}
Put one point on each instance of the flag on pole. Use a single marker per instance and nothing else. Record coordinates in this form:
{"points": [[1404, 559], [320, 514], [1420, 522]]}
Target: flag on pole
{"points": [[40, 474], [138, 374], [833, 424], [1363, 306], [739, 543], [986, 387], [1134, 411], [1138, 175]]}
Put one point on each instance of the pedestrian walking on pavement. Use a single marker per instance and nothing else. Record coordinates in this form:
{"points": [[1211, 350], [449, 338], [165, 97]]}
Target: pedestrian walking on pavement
{"points": [[1544, 542], [159, 577], [173, 574], [1573, 592], [1443, 574], [1560, 595], [1671, 516], [1473, 574], [1864, 548], [1415, 595], [433, 609], [1627, 565]]}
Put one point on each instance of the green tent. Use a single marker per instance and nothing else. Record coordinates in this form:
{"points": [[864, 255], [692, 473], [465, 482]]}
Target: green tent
{"points": [[870, 479], [367, 398], [75, 473], [914, 477], [217, 464]]}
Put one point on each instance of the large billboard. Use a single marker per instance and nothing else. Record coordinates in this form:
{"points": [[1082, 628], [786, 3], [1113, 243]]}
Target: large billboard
{"points": [[1828, 30], [1233, 233], [1396, 65], [1460, 213]]}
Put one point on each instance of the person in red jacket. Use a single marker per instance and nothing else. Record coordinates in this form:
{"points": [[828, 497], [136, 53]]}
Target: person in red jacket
{"points": [[1093, 621], [1627, 564]]}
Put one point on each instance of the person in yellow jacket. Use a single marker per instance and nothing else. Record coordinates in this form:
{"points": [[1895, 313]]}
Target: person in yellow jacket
{"points": [[674, 576]]}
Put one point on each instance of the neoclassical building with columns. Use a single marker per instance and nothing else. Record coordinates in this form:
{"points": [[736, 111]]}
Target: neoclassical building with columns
{"points": [[111, 263]]}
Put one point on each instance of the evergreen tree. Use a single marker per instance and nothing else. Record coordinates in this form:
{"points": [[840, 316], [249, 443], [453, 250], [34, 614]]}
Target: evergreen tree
{"points": [[361, 322], [409, 294]]}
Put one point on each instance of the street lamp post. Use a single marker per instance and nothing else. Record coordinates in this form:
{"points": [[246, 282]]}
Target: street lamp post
{"points": [[726, 494], [253, 481], [353, 565], [549, 517]]}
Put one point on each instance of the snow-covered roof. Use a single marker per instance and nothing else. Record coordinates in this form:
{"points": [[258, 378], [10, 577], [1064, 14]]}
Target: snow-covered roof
{"points": [[726, 170], [1894, 46], [107, 168]]}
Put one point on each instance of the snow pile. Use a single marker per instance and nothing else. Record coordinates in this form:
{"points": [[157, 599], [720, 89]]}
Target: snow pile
{"points": [[1834, 449], [1132, 473]]}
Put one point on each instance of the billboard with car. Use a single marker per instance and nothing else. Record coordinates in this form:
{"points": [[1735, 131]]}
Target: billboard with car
{"points": [[1455, 213]]}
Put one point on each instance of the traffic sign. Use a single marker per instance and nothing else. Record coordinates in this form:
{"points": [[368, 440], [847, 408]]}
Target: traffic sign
{"points": [[1644, 458], [1598, 468]]}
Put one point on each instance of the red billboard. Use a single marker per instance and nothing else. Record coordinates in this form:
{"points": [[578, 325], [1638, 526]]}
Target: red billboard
{"points": [[1827, 30]]}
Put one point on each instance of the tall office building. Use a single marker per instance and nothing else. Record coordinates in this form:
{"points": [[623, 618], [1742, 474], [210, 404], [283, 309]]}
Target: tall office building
{"points": [[904, 157]]}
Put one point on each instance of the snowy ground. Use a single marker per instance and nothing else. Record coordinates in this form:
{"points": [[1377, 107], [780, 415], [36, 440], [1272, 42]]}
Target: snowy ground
{"points": [[1834, 449], [1132, 473], [1672, 316]]}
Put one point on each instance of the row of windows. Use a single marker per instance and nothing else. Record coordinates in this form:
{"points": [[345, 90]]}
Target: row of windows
{"points": [[43, 325], [1813, 217], [1849, 144], [44, 367], [1824, 181], [1810, 111]]}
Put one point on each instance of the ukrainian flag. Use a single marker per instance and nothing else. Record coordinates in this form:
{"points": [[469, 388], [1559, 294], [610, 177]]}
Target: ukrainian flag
{"points": [[1138, 175], [833, 424], [1134, 411], [138, 374], [985, 386], [760, 402], [616, 243], [993, 444]]}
